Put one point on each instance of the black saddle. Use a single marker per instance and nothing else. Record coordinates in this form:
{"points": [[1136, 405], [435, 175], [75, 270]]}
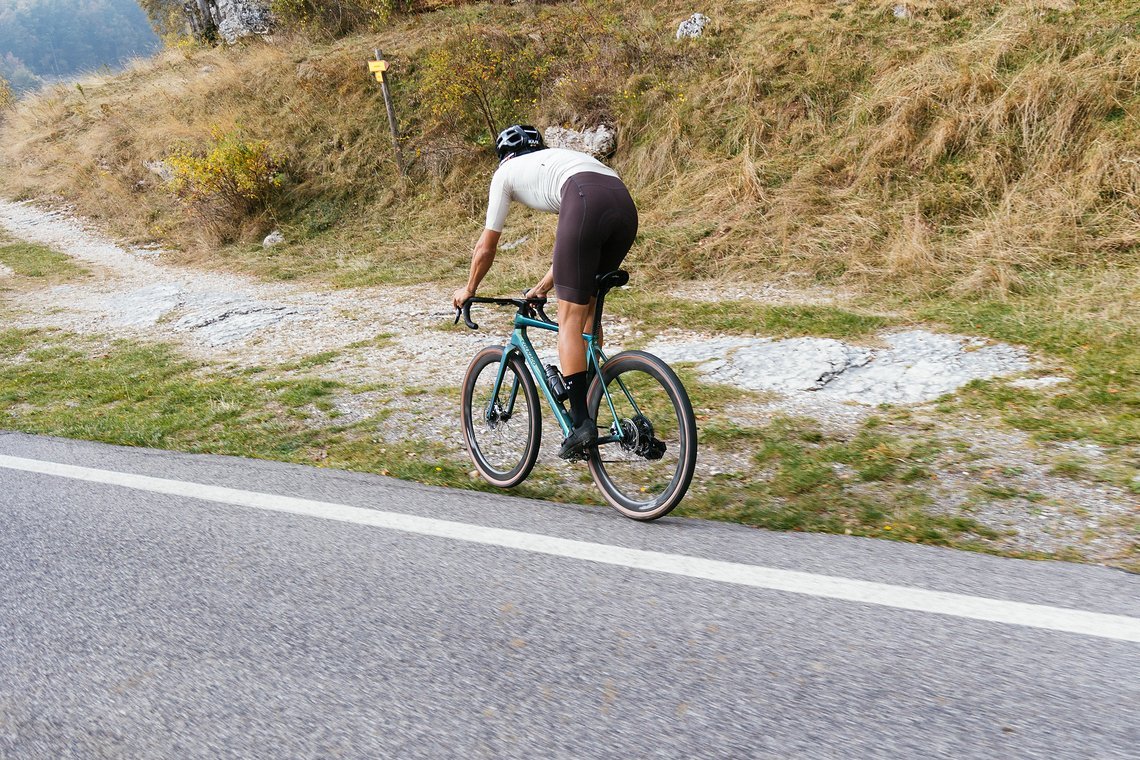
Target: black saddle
{"points": [[610, 280]]}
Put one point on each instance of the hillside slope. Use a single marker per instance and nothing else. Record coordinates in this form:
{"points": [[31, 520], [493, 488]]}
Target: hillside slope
{"points": [[966, 144]]}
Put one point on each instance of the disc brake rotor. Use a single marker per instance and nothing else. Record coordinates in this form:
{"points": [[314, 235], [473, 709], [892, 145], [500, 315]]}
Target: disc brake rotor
{"points": [[637, 437]]}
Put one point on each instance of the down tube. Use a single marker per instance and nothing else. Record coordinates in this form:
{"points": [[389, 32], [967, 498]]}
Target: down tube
{"points": [[520, 341]]}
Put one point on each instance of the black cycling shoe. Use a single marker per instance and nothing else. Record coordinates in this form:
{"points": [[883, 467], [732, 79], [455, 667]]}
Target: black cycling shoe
{"points": [[581, 438]]}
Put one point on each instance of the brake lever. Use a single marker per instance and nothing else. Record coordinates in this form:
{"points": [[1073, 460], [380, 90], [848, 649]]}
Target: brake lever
{"points": [[536, 305], [466, 316]]}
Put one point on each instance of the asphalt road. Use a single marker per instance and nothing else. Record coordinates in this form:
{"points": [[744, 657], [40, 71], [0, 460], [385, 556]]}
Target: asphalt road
{"points": [[137, 623]]}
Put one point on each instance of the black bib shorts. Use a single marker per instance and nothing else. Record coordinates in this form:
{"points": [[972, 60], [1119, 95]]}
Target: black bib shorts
{"points": [[597, 223]]}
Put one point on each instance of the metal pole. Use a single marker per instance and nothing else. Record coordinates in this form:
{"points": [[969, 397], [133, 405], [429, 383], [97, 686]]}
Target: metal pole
{"points": [[391, 118]]}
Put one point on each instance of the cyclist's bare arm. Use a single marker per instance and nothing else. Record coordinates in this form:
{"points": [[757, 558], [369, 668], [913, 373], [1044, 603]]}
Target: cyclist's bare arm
{"points": [[544, 286], [481, 260]]}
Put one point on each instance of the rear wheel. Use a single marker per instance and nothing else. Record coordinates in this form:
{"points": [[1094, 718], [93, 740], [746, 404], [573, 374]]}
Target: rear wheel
{"points": [[502, 430], [646, 474]]}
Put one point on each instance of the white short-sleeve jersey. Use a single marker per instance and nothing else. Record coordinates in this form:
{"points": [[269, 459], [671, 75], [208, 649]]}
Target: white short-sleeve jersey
{"points": [[536, 180]]}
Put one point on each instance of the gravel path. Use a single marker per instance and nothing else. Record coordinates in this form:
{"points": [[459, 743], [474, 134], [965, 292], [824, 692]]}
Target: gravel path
{"points": [[228, 318], [402, 336], [225, 317]]}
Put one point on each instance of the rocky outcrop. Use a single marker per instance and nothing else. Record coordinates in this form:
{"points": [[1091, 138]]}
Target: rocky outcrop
{"points": [[242, 18], [599, 142], [911, 367], [229, 20]]}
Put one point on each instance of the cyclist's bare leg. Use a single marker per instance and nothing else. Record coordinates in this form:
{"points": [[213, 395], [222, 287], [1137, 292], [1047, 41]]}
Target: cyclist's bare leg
{"points": [[574, 319]]}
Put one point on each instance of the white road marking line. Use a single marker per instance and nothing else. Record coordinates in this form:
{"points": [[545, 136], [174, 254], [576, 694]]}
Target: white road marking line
{"points": [[1117, 627]]}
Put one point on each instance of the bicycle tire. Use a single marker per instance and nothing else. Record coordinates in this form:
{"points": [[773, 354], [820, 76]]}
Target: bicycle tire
{"points": [[502, 468], [677, 424]]}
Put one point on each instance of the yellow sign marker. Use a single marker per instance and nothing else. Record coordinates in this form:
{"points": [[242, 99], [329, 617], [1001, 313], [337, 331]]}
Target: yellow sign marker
{"points": [[377, 67]]}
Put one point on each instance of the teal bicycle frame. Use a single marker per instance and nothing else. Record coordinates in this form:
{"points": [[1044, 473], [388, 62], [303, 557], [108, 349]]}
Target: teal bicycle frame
{"points": [[595, 359]]}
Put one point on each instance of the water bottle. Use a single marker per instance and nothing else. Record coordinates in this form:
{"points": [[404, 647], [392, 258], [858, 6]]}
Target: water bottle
{"points": [[556, 383]]}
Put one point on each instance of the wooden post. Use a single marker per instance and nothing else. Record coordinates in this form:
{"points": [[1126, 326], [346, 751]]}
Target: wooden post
{"points": [[382, 75]]}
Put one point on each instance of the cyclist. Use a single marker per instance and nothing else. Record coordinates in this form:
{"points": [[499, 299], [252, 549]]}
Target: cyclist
{"points": [[597, 223]]}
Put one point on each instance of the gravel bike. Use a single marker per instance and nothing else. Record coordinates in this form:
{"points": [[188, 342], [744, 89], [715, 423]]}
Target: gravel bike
{"points": [[646, 450]]}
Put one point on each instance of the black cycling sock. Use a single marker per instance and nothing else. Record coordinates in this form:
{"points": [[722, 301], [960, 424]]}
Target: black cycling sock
{"points": [[576, 392]]}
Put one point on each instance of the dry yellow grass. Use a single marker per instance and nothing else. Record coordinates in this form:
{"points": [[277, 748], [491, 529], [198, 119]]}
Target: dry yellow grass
{"points": [[959, 150]]}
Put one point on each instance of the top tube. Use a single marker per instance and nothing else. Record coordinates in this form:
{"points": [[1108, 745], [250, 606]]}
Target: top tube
{"points": [[521, 321]]}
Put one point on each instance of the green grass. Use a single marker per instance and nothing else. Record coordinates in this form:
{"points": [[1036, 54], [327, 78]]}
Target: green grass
{"points": [[39, 261], [148, 395], [875, 455], [821, 482], [1069, 467], [743, 317], [800, 477], [138, 395], [1098, 353], [316, 360]]}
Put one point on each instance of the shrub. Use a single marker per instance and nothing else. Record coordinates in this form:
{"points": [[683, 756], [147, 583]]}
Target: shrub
{"points": [[232, 180], [336, 16], [482, 79], [595, 52]]}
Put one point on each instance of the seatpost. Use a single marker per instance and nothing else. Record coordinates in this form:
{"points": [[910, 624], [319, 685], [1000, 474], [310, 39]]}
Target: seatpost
{"points": [[598, 313]]}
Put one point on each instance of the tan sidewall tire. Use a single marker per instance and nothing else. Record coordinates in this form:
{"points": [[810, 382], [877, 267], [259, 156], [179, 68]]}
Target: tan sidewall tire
{"points": [[661, 371]]}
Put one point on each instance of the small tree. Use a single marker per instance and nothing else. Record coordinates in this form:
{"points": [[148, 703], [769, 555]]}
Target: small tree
{"points": [[482, 78], [336, 16], [168, 17]]}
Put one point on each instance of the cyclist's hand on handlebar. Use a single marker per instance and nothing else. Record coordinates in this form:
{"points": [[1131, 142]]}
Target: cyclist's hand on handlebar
{"points": [[536, 292], [460, 296]]}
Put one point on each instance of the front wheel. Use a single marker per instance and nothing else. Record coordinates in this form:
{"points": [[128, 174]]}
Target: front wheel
{"points": [[502, 426], [645, 474]]}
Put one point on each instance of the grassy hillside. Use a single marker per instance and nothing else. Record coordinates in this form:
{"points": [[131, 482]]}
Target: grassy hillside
{"points": [[970, 163], [966, 146]]}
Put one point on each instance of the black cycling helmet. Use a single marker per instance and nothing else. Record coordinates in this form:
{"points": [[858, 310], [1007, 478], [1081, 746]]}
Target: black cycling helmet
{"points": [[518, 139]]}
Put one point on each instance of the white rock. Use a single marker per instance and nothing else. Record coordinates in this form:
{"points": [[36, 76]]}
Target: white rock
{"points": [[219, 319], [692, 27], [272, 239], [146, 306], [242, 18], [599, 141], [514, 243], [5, 271], [901, 11], [917, 366], [161, 168]]}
